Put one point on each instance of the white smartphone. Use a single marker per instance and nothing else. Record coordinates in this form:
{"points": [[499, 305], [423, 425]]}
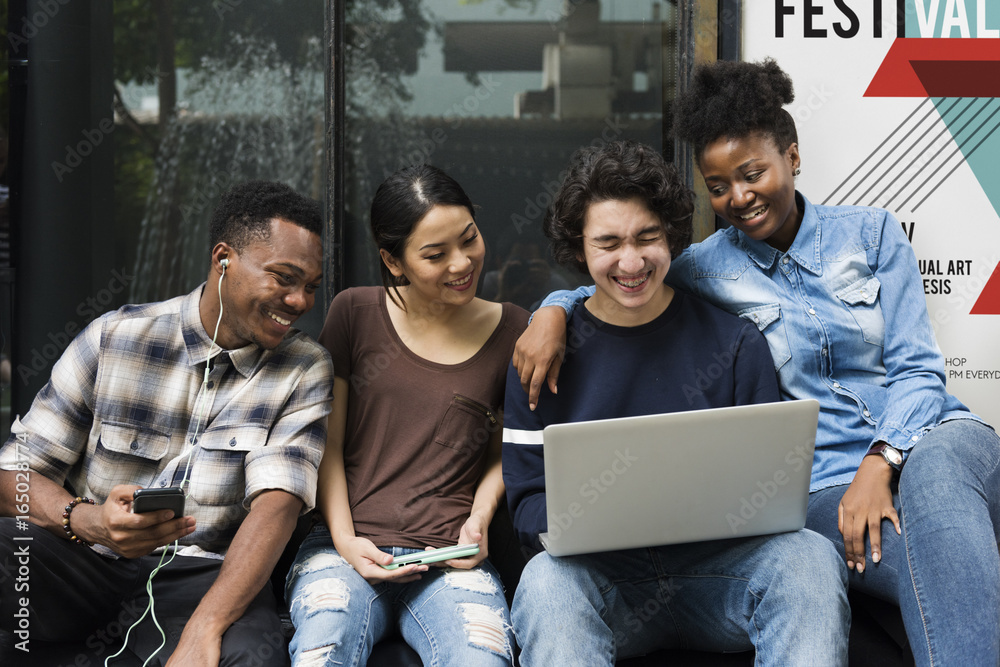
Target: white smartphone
{"points": [[434, 555]]}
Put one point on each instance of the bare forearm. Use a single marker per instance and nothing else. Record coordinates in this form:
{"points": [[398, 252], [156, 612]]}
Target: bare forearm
{"points": [[30, 493], [490, 491], [251, 558], [336, 511], [332, 498], [331, 494]]}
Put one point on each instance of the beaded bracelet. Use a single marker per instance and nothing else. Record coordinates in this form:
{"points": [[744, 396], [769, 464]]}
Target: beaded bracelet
{"points": [[69, 510]]}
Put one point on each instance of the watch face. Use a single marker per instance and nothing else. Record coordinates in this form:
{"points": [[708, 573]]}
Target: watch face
{"points": [[892, 455]]}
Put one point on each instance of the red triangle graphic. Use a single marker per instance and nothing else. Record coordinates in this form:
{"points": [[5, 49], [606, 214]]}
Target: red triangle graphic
{"points": [[988, 302], [936, 67]]}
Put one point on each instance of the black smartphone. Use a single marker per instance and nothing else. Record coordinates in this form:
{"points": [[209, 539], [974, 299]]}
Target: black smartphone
{"points": [[150, 500]]}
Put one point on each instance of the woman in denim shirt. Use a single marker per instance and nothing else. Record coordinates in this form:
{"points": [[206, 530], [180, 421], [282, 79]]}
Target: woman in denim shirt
{"points": [[905, 480]]}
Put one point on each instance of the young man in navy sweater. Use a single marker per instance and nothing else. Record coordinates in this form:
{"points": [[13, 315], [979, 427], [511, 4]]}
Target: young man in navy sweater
{"points": [[640, 347]]}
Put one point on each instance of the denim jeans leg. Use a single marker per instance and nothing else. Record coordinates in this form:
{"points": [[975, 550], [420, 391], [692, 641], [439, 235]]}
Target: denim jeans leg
{"points": [[944, 570], [457, 617], [882, 579], [338, 616], [783, 595], [558, 613], [949, 492], [727, 595]]}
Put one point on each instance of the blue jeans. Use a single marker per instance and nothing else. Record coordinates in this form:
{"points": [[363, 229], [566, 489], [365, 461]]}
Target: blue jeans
{"points": [[783, 595], [449, 616], [944, 570]]}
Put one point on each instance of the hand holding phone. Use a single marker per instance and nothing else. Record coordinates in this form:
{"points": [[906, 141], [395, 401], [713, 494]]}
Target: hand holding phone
{"points": [[434, 555], [151, 500]]}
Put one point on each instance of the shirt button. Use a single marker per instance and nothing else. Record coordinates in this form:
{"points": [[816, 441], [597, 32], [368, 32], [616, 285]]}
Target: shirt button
{"points": [[863, 293], [812, 312], [823, 351], [866, 413], [915, 438], [134, 445], [784, 260], [836, 385], [211, 385], [232, 443], [756, 319]]}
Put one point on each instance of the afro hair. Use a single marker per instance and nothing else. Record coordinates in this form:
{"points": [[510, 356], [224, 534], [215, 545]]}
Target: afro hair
{"points": [[733, 100]]}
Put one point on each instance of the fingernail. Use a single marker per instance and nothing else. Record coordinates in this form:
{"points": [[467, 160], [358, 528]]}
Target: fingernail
{"points": [[850, 564], [875, 557]]}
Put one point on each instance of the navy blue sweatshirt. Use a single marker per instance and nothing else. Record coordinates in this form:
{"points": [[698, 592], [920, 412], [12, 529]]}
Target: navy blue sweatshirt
{"points": [[692, 357]]}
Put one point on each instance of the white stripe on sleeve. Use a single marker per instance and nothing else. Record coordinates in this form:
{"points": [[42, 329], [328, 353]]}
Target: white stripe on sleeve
{"points": [[518, 437]]}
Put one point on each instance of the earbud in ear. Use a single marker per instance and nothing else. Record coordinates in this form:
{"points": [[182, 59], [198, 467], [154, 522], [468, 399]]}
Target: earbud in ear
{"points": [[224, 263]]}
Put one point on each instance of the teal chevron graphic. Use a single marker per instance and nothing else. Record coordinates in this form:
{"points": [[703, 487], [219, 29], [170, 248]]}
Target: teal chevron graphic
{"points": [[962, 79], [979, 142]]}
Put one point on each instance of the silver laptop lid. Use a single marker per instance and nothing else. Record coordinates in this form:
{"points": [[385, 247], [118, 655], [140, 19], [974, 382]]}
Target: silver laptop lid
{"points": [[678, 477]]}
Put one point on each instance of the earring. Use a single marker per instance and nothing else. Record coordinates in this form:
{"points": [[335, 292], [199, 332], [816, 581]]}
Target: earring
{"points": [[797, 171]]}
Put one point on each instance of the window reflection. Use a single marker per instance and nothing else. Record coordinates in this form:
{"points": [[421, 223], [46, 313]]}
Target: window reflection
{"points": [[208, 95], [498, 93]]}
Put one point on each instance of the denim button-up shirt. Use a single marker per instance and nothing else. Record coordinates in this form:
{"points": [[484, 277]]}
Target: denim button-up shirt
{"points": [[845, 317]]}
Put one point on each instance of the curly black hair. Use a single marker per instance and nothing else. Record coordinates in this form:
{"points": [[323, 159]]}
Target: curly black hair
{"points": [[618, 170], [733, 100], [245, 212]]}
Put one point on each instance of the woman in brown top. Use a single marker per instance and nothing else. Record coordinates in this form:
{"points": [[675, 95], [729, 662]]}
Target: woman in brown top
{"points": [[413, 452]]}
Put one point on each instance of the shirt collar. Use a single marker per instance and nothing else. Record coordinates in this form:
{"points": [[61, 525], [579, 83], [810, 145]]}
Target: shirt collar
{"points": [[805, 249], [199, 345]]}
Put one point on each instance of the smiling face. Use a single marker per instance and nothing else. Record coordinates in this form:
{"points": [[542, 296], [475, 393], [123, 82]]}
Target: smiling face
{"points": [[267, 286], [752, 186], [442, 259], [626, 253]]}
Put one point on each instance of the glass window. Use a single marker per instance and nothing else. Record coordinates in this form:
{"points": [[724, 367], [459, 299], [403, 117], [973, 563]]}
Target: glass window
{"points": [[499, 94], [208, 95]]}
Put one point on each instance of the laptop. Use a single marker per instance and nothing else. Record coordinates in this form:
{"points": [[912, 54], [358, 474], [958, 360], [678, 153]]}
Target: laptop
{"points": [[679, 477]]}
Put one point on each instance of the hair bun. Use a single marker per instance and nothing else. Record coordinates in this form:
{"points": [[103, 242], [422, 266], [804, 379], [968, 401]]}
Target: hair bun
{"points": [[734, 99]]}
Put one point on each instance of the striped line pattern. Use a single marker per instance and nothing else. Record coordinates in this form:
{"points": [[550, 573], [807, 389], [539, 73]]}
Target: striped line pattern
{"points": [[920, 154]]}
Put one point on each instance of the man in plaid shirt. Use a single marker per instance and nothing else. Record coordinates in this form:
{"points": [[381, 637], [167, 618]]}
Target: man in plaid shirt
{"points": [[130, 405]]}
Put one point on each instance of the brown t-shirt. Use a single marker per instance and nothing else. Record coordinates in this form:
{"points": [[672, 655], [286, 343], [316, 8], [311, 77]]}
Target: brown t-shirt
{"points": [[417, 431]]}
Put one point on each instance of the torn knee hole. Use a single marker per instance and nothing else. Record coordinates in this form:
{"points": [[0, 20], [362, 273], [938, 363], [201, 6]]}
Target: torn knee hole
{"points": [[485, 627], [317, 562], [323, 594], [477, 581], [313, 657]]}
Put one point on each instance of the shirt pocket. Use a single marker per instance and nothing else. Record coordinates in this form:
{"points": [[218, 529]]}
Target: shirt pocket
{"points": [[125, 453], [861, 300], [466, 422], [767, 318], [218, 473]]}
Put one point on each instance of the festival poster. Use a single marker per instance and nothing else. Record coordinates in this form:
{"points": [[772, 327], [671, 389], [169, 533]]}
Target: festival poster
{"points": [[898, 106]]}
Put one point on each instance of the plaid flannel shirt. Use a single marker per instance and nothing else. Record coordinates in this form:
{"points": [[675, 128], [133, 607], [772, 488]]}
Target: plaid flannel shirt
{"points": [[120, 408]]}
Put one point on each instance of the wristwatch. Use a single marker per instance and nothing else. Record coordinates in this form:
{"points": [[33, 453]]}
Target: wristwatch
{"points": [[891, 455]]}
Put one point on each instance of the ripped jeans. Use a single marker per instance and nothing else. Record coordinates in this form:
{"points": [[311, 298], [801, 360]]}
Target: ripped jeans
{"points": [[448, 616]]}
